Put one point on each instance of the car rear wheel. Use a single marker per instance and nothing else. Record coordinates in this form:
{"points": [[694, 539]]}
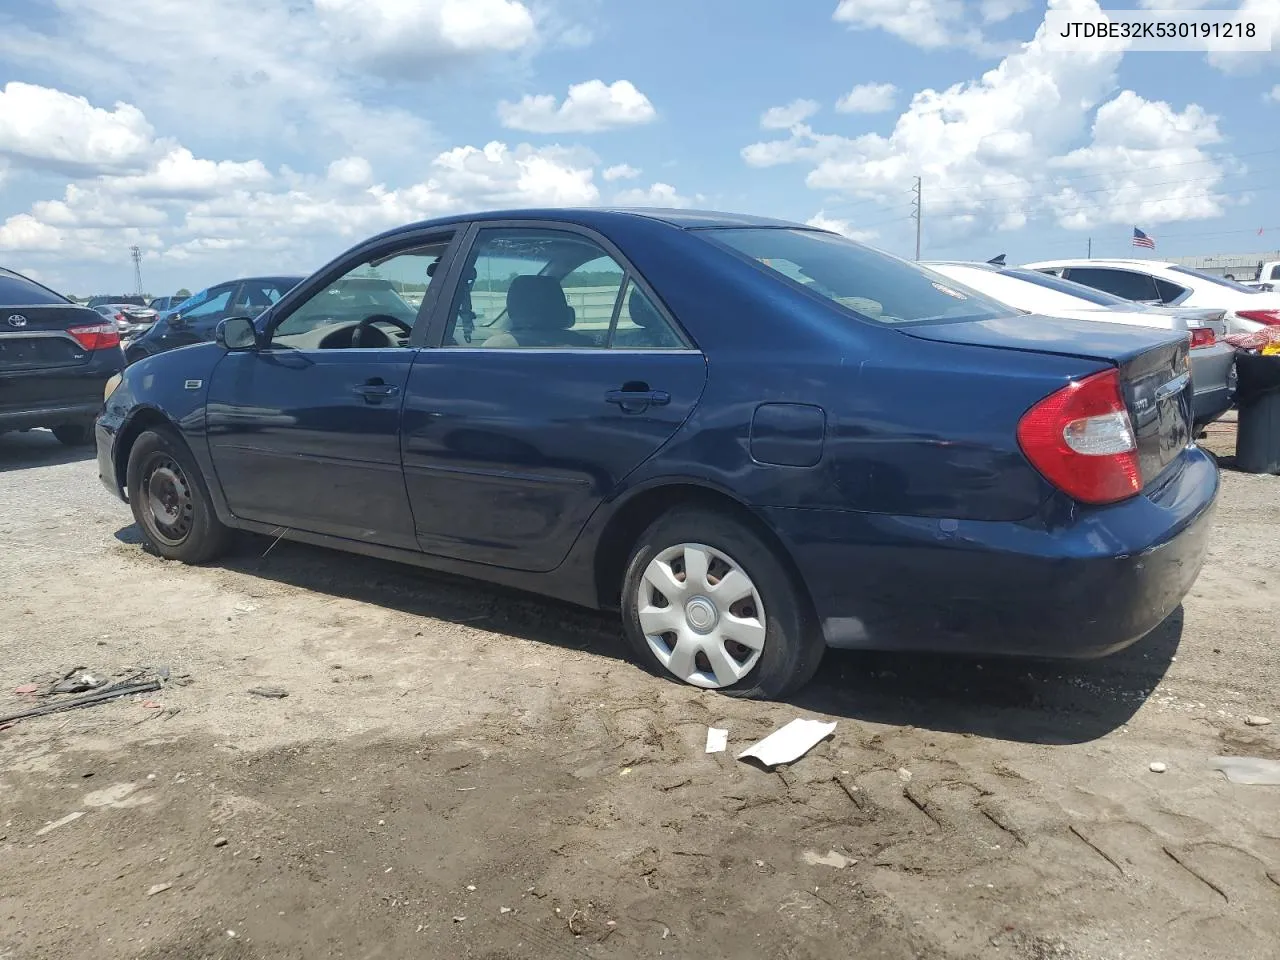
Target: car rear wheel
{"points": [[170, 500], [706, 601], [73, 434]]}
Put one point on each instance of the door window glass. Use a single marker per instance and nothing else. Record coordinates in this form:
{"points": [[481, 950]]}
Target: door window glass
{"points": [[215, 302], [1168, 292], [534, 288], [1123, 283], [375, 304], [641, 326]]}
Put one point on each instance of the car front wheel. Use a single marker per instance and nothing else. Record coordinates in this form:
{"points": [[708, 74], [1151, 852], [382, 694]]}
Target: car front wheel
{"points": [[170, 500], [706, 601]]}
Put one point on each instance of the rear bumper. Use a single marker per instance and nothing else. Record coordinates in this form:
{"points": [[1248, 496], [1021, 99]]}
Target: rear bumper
{"points": [[1093, 584], [49, 415], [1213, 379]]}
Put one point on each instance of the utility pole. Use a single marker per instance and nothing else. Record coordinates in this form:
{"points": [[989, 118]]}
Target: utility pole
{"points": [[136, 253], [1089, 255], [918, 215]]}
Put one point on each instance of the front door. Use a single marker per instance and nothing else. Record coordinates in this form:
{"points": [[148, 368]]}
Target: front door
{"points": [[556, 376], [304, 431], [195, 323]]}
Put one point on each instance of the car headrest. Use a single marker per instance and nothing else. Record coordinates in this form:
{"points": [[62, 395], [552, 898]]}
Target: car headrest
{"points": [[538, 303], [643, 313]]}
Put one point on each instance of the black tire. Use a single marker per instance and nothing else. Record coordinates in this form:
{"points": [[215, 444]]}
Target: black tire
{"points": [[793, 644], [160, 463], [73, 434]]}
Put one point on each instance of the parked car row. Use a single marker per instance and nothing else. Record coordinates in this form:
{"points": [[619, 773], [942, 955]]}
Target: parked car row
{"points": [[755, 441]]}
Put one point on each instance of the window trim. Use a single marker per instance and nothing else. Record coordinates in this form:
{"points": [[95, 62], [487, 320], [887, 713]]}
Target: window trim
{"points": [[440, 321], [280, 311]]}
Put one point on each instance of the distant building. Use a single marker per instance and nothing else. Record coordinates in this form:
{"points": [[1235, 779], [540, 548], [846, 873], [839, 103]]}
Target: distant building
{"points": [[1241, 266]]}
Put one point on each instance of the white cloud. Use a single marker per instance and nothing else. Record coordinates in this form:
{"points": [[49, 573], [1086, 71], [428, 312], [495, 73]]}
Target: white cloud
{"points": [[657, 195], [180, 174], [1263, 12], [995, 11], [1042, 135], [40, 125], [589, 107], [395, 35], [924, 23], [868, 98], [783, 118], [621, 171], [1274, 94], [351, 171], [843, 227]]}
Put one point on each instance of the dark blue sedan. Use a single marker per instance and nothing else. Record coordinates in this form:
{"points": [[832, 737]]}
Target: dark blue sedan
{"points": [[755, 439]]}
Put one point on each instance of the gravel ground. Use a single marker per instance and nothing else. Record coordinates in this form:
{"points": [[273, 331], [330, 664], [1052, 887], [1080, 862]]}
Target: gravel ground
{"points": [[459, 771]]}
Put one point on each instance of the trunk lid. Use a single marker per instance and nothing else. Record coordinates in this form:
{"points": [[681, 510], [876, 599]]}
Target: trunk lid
{"points": [[1153, 364], [35, 337]]}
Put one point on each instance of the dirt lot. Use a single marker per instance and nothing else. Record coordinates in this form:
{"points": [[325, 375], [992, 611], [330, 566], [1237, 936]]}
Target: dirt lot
{"points": [[461, 772]]}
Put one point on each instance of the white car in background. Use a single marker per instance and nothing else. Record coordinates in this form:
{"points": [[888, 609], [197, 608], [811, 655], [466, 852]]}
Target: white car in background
{"points": [[1213, 378], [1248, 309]]}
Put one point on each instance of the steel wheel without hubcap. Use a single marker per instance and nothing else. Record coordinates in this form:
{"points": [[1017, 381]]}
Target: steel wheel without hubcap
{"points": [[167, 496], [701, 615]]}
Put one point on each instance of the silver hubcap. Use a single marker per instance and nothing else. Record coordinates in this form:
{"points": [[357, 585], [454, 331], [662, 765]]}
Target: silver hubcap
{"points": [[701, 615]]}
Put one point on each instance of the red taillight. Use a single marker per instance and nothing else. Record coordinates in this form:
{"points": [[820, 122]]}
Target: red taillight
{"points": [[96, 336], [1270, 317], [1081, 439], [121, 318], [1202, 337]]}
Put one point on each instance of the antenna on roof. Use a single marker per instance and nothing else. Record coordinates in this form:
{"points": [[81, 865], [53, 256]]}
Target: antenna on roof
{"points": [[997, 261]]}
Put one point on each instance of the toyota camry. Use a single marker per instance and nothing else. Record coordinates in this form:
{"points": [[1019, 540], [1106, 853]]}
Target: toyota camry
{"points": [[751, 438]]}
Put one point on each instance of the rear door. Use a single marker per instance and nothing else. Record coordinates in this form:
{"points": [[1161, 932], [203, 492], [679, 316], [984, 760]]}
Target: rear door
{"points": [[556, 374], [196, 323]]}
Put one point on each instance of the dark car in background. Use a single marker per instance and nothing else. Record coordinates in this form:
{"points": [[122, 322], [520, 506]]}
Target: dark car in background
{"points": [[55, 360], [754, 439], [161, 304], [195, 318]]}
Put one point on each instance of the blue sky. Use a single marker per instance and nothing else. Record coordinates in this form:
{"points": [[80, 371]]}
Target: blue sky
{"points": [[250, 136]]}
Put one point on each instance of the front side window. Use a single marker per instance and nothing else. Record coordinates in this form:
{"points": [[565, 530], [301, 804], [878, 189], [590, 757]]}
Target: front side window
{"points": [[874, 285], [215, 301], [374, 304], [1123, 283]]}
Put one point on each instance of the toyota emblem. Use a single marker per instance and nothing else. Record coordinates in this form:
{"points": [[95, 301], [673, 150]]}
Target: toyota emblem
{"points": [[17, 320]]}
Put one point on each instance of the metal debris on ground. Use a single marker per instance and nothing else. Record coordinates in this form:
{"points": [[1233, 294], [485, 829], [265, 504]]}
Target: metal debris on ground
{"points": [[158, 888], [717, 740], [271, 693], [78, 680], [1254, 771], [101, 695], [790, 743], [69, 818]]}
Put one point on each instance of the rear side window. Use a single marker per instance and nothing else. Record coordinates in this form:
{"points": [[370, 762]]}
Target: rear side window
{"points": [[874, 285], [16, 290], [1169, 292], [1123, 283]]}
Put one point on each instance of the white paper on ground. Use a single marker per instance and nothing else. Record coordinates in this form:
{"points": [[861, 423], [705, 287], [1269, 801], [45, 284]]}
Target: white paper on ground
{"points": [[1249, 770], [790, 743], [717, 740]]}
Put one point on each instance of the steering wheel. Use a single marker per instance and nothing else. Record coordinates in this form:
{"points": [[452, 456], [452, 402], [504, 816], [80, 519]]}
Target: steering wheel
{"points": [[358, 333]]}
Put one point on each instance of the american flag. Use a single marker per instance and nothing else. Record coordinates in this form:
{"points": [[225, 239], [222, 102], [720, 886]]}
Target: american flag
{"points": [[1140, 239]]}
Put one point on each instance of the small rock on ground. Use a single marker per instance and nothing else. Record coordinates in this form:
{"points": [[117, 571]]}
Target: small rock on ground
{"points": [[1256, 721]]}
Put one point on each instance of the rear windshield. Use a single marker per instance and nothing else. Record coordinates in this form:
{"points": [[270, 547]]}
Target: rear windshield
{"points": [[1220, 281], [16, 290], [1077, 290], [871, 284]]}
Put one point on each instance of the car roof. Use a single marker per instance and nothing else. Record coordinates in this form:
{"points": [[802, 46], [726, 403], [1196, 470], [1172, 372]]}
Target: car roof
{"points": [[975, 264], [1103, 261], [604, 217]]}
